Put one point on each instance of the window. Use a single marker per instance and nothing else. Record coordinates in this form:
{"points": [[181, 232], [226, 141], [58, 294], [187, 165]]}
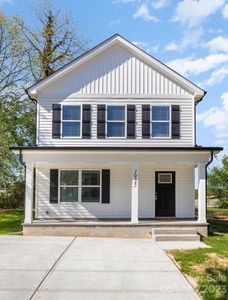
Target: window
{"points": [[164, 178], [71, 121], [90, 186], [80, 185], [160, 116], [69, 185], [115, 121]]}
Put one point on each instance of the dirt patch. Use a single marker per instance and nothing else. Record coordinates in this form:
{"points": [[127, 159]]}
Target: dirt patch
{"points": [[222, 218]]}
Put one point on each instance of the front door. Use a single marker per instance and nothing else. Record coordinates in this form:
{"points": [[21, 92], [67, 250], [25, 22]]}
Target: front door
{"points": [[165, 194]]}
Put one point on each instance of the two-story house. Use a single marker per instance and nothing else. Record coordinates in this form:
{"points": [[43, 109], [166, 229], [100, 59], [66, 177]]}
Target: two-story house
{"points": [[116, 147]]}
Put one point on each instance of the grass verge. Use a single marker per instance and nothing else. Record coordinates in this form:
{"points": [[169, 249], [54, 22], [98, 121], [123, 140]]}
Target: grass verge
{"points": [[207, 268], [10, 221]]}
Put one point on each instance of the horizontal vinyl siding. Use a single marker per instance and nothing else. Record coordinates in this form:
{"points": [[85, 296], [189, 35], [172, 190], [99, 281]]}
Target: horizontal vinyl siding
{"points": [[114, 72], [119, 206], [186, 125], [184, 190], [120, 194]]}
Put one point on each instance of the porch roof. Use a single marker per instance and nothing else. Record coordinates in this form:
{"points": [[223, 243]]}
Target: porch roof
{"points": [[18, 149]]}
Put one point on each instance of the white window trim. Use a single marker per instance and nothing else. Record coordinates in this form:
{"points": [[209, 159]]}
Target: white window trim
{"points": [[116, 121], [75, 121], [171, 177], [80, 186], [160, 121]]}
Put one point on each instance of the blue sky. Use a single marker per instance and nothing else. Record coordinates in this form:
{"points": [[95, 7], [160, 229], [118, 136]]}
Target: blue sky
{"points": [[191, 36]]}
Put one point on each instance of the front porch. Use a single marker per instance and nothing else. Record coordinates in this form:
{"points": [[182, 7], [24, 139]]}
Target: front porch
{"points": [[132, 207]]}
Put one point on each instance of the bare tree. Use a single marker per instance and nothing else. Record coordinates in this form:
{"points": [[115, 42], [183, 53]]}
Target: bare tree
{"points": [[54, 44]]}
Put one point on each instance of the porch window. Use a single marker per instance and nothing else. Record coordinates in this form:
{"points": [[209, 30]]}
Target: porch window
{"points": [[160, 121], [71, 121], [69, 185], [116, 121], [91, 186], [80, 185]]}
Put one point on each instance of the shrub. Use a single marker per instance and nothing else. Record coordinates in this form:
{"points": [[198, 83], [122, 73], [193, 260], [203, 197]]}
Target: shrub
{"points": [[222, 203], [13, 197]]}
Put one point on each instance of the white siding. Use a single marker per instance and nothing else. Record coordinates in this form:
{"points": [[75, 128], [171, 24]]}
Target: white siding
{"points": [[115, 71], [120, 200], [184, 190], [186, 125], [114, 76], [120, 195]]}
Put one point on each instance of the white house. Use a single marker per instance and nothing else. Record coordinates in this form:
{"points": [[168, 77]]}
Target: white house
{"points": [[116, 147]]}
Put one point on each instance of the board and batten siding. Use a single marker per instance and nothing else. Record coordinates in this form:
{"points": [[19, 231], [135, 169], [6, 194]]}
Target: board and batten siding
{"points": [[115, 76], [120, 194], [116, 71]]}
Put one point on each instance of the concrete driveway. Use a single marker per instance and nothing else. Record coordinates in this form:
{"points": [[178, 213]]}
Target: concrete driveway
{"points": [[88, 268]]}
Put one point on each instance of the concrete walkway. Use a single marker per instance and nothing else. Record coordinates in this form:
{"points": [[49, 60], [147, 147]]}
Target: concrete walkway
{"points": [[88, 268]]}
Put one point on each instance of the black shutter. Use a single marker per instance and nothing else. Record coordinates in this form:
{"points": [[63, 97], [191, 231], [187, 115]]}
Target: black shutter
{"points": [[56, 120], [105, 195], [131, 121], [175, 121], [54, 178], [86, 121], [101, 121], [145, 121]]}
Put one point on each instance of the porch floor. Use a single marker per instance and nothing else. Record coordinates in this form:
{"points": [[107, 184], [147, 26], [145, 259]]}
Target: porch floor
{"points": [[119, 222], [109, 228]]}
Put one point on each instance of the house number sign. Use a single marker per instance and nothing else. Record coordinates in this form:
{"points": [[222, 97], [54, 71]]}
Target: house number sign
{"points": [[135, 178]]}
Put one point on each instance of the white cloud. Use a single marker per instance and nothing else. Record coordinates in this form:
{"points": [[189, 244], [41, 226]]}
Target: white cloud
{"points": [[218, 44], [114, 22], [217, 118], [160, 4], [225, 11], [194, 12], [190, 38], [217, 76], [188, 65], [213, 30], [146, 47], [144, 13], [5, 1], [172, 47]]}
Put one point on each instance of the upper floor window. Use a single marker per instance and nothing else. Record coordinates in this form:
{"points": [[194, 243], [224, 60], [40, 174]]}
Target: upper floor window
{"points": [[160, 121], [116, 121], [71, 121]]}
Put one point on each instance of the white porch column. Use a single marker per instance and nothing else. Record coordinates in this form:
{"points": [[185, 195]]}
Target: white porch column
{"points": [[134, 193], [28, 192], [202, 204]]}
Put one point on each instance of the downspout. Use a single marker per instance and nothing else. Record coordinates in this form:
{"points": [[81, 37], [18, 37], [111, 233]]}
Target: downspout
{"points": [[206, 169], [24, 165]]}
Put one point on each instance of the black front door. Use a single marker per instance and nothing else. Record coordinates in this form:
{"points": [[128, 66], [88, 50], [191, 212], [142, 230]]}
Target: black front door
{"points": [[165, 194]]}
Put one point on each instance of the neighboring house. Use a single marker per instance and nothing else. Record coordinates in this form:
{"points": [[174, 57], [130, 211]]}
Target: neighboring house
{"points": [[116, 141]]}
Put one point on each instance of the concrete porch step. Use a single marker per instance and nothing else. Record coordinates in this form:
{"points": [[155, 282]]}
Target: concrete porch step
{"points": [[174, 231], [176, 237]]}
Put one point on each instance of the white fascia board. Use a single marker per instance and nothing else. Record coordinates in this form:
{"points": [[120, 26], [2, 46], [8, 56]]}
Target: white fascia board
{"points": [[197, 92]]}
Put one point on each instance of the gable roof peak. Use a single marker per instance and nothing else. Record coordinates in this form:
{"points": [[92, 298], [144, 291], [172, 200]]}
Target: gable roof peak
{"points": [[109, 42]]}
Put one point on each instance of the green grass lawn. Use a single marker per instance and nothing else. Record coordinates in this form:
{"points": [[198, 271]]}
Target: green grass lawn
{"points": [[10, 221], [208, 268]]}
